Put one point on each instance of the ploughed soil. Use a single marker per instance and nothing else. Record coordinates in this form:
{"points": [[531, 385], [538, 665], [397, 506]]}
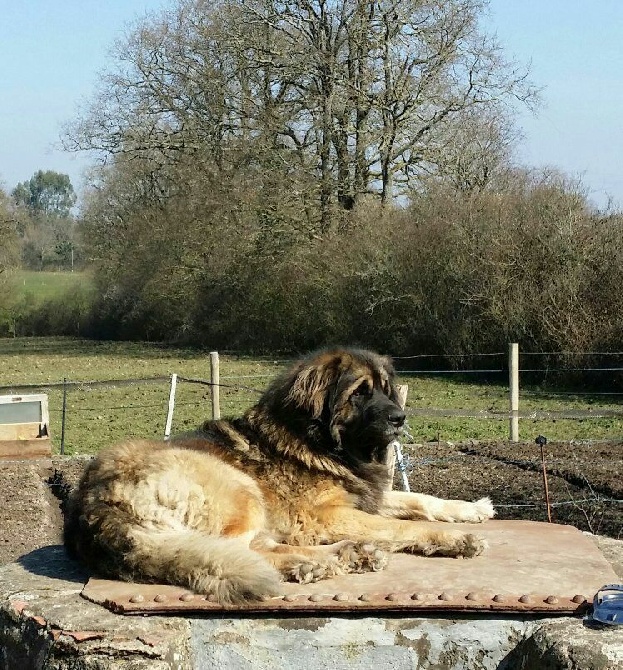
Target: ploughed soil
{"points": [[584, 480], [585, 483]]}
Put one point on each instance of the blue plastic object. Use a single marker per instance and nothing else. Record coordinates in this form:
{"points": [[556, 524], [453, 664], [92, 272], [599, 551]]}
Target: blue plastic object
{"points": [[608, 604]]}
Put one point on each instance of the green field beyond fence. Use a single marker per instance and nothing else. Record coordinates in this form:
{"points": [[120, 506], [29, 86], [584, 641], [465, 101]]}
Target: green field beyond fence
{"points": [[45, 286], [135, 405]]}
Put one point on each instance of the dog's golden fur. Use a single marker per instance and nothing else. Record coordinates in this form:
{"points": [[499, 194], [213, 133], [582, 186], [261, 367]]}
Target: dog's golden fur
{"points": [[296, 490]]}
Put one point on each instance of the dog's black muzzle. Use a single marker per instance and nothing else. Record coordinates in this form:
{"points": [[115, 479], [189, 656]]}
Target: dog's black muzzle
{"points": [[389, 413]]}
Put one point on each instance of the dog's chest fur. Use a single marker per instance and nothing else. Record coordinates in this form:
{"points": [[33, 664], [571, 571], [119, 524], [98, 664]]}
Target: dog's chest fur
{"points": [[295, 481]]}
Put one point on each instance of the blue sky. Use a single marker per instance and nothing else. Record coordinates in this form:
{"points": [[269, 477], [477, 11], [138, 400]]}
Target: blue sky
{"points": [[51, 53], [575, 48]]}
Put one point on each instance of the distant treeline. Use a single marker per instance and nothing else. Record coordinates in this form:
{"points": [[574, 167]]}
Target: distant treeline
{"points": [[448, 274]]}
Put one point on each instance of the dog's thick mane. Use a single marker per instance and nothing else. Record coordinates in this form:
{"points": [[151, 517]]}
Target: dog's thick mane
{"points": [[258, 440], [257, 436], [289, 424]]}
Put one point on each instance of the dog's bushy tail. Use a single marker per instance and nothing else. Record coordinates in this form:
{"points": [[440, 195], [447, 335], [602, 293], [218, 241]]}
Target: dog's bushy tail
{"points": [[222, 567], [219, 566]]}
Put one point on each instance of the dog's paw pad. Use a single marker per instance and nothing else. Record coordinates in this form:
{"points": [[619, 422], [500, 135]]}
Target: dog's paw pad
{"points": [[363, 557]]}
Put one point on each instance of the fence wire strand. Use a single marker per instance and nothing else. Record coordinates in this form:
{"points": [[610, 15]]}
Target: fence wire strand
{"points": [[231, 383]]}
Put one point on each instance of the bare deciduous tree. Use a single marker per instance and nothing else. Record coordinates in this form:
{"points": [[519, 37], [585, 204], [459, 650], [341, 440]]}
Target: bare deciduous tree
{"points": [[9, 253], [351, 97]]}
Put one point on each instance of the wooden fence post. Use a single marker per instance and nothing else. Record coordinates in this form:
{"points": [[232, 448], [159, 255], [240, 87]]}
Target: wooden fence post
{"points": [[215, 377], [394, 447], [513, 380], [167, 428], [64, 416]]}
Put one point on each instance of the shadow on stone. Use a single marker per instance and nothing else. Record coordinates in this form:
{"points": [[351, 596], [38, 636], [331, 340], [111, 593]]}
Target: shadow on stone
{"points": [[53, 561]]}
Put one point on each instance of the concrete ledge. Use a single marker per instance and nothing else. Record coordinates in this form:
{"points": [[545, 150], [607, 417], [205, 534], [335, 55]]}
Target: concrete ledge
{"points": [[46, 624], [356, 643]]}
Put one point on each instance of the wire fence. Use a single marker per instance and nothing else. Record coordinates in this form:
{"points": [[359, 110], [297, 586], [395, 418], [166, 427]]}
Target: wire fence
{"points": [[573, 483], [87, 415], [240, 384], [239, 391]]}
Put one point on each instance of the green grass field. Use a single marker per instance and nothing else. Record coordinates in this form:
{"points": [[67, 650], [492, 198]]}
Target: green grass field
{"points": [[44, 286], [98, 415]]}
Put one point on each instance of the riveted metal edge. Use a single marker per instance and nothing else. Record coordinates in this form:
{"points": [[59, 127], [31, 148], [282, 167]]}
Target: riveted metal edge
{"points": [[398, 601]]}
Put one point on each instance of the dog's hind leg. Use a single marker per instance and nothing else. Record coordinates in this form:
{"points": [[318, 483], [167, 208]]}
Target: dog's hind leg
{"points": [[419, 537], [307, 564], [225, 568]]}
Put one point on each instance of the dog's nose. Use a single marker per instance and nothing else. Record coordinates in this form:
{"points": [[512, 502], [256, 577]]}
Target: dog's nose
{"points": [[396, 417]]}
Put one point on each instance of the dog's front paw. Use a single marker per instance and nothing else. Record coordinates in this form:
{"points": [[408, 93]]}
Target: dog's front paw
{"points": [[461, 511], [307, 572], [470, 546], [477, 512], [457, 545]]}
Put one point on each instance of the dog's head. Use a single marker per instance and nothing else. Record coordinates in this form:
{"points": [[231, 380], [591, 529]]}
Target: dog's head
{"points": [[344, 399]]}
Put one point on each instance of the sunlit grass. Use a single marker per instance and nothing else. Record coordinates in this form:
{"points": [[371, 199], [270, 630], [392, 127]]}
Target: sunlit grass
{"points": [[39, 287], [97, 415]]}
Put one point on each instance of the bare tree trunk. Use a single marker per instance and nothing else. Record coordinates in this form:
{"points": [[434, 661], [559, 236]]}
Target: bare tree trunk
{"points": [[345, 191]]}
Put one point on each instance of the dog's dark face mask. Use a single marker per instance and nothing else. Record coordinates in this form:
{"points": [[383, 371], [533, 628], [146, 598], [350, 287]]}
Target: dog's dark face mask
{"points": [[366, 417], [346, 398]]}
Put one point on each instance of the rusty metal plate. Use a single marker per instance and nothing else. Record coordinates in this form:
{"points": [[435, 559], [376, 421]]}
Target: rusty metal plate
{"points": [[529, 567]]}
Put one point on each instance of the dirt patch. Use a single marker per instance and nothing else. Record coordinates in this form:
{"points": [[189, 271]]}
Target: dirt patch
{"points": [[584, 481], [30, 515]]}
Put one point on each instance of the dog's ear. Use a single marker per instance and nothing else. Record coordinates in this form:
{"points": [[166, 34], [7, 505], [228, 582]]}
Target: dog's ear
{"points": [[309, 387], [388, 364]]}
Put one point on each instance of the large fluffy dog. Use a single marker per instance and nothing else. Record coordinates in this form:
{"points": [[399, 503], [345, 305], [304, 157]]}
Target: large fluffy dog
{"points": [[295, 490]]}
